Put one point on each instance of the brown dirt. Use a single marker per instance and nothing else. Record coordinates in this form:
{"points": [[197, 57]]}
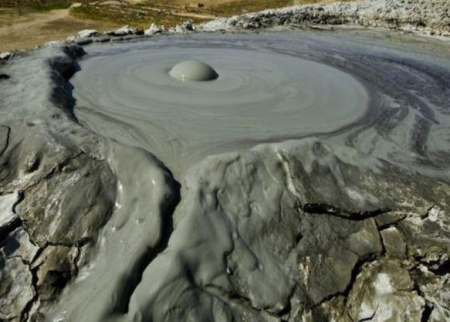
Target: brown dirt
{"points": [[35, 29]]}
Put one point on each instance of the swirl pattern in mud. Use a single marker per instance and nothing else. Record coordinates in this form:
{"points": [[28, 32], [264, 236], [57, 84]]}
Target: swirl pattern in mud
{"points": [[270, 88], [259, 95]]}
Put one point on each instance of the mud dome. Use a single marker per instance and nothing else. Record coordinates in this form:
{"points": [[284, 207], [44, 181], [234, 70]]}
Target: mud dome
{"points": [[193, 70], [309, 182]]}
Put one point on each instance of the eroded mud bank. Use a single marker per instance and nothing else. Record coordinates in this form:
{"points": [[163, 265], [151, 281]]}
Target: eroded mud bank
{"points": [[319, 205]]}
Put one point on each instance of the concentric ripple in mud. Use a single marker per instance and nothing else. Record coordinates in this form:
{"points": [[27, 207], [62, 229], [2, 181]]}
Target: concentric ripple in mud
{"points": [[259, 95]]}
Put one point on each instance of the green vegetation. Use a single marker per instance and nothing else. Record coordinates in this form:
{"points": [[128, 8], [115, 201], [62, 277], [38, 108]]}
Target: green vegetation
{"points": [[243, 6], [133, 15], [30, 6], [47, 6]]}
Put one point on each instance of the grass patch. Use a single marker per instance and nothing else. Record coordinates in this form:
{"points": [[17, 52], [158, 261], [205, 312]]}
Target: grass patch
{"points": [[132, 15], [48, 6], [239, 7], [33, 7]]}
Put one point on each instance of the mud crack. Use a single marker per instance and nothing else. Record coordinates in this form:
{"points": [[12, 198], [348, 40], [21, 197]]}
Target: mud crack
{"points": [[7, 136]]}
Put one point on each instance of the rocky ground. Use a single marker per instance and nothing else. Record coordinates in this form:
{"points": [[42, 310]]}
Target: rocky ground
{"points": [[418, 16], [345, 226]]}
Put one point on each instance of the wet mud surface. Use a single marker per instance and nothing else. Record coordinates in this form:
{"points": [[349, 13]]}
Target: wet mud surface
{"points": [[262, 93], [272, 87]]}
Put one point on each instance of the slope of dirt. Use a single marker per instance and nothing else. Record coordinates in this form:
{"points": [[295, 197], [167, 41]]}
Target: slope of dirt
{"points": [[38, 28]]}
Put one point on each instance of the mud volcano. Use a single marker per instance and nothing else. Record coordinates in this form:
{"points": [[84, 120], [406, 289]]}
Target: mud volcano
{"points": [[293, 176]]}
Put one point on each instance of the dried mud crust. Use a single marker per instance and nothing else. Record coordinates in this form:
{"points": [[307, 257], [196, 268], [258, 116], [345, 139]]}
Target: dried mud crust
{"points": [[416, 16], [318, 260], [58, 188]]}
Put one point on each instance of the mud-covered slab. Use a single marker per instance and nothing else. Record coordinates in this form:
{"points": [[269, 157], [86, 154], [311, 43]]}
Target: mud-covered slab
{"points": [[70, 207]]}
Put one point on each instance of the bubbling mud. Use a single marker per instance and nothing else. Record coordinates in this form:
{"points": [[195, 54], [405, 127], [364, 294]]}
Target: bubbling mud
{"points": [[193, 70]]}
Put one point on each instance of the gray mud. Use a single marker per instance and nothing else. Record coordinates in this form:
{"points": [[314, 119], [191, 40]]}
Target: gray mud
{"points": [[309, 182], [271, 87], [126, 93]]}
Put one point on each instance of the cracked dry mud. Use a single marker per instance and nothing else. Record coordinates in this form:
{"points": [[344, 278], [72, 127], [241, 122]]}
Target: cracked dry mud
{"points": [[103, 218]]}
